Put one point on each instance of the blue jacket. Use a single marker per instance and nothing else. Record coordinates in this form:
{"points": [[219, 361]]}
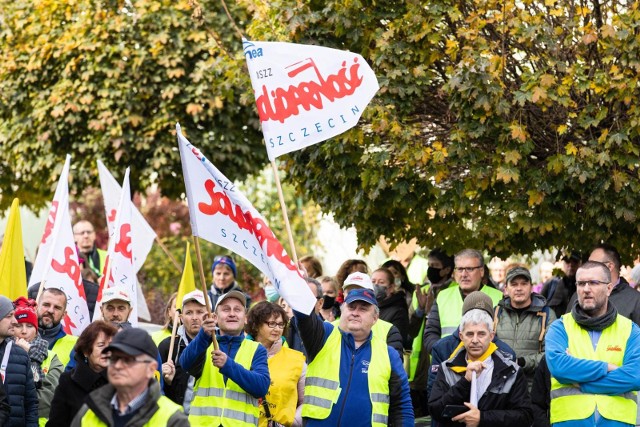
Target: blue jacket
{"points": [[592, 375], [353, 408], [20, 388], [255, 381], [443, 348]]}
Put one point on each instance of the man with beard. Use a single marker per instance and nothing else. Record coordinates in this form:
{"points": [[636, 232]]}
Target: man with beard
{"points": [[52, 306], [178, 384], [593, 354]]}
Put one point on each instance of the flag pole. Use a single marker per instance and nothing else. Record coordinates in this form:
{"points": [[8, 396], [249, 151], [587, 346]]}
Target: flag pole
{"points": [[284, 213], [173, 334], [203, 282], [166, 251]]}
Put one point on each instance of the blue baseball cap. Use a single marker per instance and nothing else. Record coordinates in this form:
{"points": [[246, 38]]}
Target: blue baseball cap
{"points": [[360, 294], [225, 260]]}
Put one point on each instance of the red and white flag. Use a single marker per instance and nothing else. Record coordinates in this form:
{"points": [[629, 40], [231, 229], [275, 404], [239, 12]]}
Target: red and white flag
{"points": [[221, 214], [119, 269], [306, 94], [143, 235], [57, 263]]}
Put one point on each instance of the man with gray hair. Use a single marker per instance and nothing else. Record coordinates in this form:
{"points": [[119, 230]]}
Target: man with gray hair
{"points": [[445, 313], [479, 383]]}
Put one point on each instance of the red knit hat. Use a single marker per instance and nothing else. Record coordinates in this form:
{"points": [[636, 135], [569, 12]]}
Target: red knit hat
{"points": [[26, 311]]}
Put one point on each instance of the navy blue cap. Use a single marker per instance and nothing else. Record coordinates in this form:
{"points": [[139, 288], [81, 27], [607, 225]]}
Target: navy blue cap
{"points": [[365, 295]]}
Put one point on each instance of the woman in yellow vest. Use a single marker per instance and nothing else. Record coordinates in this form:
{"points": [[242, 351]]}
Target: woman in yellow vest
{"points": [[266, 323]]}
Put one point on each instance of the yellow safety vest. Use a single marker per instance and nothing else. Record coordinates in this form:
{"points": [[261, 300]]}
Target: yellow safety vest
{"points": [[416, 346], [63, 347], [322, 384], [450, 306], [159, 336], [215, 403], [567, 401], [166, 409], [285, 370]]}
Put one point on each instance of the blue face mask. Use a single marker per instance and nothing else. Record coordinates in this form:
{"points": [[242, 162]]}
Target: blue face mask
{"points": [[271, 293]]}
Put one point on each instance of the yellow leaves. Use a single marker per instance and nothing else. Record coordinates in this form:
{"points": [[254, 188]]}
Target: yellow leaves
{"points": [[96, 125], [175, 73], [607, 31], [194, 109], [546, 80], [589, 38], [619, 180], [57, 112], [518, 132], [439, 152], [135, 120], [539, 93], [197, 36], [86, 99], [512, 157], [507, 175], [562, 129], [571, 149], [451, 47], [535, 197]]}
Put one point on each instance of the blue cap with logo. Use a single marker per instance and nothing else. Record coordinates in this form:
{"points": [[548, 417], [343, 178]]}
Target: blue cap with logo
{"points": [[365, 295]]}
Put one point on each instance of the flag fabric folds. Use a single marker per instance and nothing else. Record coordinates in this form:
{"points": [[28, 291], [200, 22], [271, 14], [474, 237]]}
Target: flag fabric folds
{"points": [[142, 234], [13, 274], [119, 269], [188, 280], [57, 264], [306, 94], [221, 214]]}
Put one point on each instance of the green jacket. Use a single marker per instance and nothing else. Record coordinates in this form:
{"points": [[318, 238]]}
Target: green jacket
{"points": [[524, 332]]}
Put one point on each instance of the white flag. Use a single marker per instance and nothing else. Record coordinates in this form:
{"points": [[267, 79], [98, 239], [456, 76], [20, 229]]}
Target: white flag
{"points": [[118, 268], [57, 263], [221, 214], [143, 235], [306, 94]]}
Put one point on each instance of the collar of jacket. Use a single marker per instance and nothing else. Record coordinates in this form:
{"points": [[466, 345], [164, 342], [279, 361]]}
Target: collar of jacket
{"points": [[99, 402], [537, 303], [86, 377], [500, 362]]}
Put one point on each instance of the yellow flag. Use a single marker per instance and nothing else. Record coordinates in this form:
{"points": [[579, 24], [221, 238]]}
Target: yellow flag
{"points": [[188, 281], [13, 275]]}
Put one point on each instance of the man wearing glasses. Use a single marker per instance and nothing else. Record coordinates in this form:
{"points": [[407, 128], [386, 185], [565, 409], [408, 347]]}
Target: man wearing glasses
{"points": [[132, 396], [593, 354], [445, 314], [85, 237]]}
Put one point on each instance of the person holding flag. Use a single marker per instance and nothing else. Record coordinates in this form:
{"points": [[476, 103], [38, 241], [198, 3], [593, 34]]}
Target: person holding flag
{"points": [[231, 372]]}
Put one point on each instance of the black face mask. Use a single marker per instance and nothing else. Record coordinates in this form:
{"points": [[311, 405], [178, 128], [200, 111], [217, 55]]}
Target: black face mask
{"points": [[433, 274], [328, 302]]}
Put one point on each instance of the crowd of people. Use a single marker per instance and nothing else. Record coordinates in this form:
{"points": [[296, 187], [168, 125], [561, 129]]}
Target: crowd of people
{"points": [[383, 346]]}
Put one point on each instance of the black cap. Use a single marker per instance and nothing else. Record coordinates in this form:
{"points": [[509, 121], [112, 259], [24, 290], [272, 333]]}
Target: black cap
{"points": [[134, 342]]}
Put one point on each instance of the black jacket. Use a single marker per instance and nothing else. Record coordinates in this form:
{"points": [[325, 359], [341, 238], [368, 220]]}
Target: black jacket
{"points": [[624, 298], [506, 402], [176, 390], [20, 388], [5, 409], [72, 391], [395, 311], [540, 395]]}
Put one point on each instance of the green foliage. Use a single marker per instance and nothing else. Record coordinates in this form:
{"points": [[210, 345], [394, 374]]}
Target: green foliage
{"points": [[504, 126], [109, 80]]}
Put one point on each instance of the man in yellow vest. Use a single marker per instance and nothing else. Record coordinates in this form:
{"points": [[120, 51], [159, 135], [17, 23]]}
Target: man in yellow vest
{"points": [[445, 313], [133, 396], [230, 380], [593, 354], [353, 379], [52, 306]]}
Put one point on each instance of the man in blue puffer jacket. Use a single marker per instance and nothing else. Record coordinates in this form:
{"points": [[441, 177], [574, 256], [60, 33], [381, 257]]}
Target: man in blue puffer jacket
{"points": [[15, 369]]}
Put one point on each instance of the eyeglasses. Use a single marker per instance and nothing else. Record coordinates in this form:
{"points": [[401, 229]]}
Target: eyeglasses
{"points": [[273, 325], [466, 269], [591, 283], [126, 360]]}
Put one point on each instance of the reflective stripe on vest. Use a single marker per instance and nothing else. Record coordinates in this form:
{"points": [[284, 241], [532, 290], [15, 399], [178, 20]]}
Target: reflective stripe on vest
{"points": [[63, 347], [230, 404], [568, 403], [450, 306], [166, 409], [416, 346], [322, 384]]}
